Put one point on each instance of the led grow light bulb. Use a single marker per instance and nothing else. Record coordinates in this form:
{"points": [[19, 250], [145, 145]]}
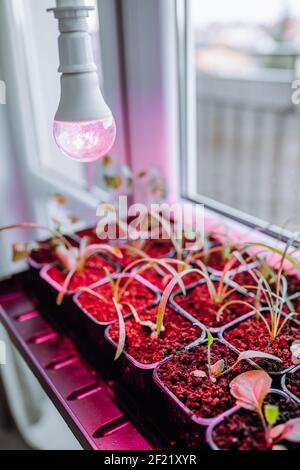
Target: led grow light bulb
{"points": [[84, 128], [85, 141]]}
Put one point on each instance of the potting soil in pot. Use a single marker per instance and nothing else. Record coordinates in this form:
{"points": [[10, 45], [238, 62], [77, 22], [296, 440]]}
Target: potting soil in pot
{"points": [[292, 383], [198, 303], [203, 397], [243, 430], [138, 295], [252, 334], [93, 271], [146, 347]]}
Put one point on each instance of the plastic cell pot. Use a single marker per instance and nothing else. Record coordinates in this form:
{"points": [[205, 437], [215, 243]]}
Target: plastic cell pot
{"points": [[240, 269], [218, 273], [239, 325], [169, 253], [190, 423], [189, 289], [288, 382], [94, 328], [138, 375], [56, 286], [67, 314], [213, 427], [36, 262], [90, 233]]}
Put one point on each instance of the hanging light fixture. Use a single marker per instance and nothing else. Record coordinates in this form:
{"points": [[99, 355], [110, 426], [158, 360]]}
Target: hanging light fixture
{"points": [[84, 128]]}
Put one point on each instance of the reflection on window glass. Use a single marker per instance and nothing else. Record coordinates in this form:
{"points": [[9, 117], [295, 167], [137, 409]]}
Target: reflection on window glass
{"points": [[246, 54]]}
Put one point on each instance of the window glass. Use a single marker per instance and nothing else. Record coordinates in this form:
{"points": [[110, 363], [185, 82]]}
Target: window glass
{"points": [[242, 60]]}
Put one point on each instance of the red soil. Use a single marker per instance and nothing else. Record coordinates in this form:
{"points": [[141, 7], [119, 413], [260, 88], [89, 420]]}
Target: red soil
{"points": [[143, 347], [293, 284], [153, 249], [159, 248], [205, 399], [243, 430], [198, 303], [46, 255], [152, 276], [245, 278], [252, 334], [91, 234], [292, 383], [93, 272], [93, 237], [215, 260], [137, 294], [43, 256]]}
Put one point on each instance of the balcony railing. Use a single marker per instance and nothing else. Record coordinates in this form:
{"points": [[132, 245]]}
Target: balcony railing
{"points": [[248, 143]]}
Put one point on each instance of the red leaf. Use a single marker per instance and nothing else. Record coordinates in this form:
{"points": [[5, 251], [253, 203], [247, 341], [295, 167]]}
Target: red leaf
{"points": [[289, 431], [250, 389]]}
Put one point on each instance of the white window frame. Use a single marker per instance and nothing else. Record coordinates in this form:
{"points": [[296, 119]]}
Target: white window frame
{"points": [[188, 148], [27, 133], [150, 63], [25, 128]]}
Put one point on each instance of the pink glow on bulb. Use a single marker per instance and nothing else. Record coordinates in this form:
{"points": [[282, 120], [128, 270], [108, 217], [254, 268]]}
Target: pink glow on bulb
{"points": [[85, 141]]}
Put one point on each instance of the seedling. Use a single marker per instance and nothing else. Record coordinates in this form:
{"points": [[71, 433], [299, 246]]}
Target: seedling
{"points": [[23, 250], [152, 223], [276, 302], [218, 292], [70, 258], [119, 289], [59, 215], [163, 266], [250, 390], [219, 369], [225, 247], [74, 260], [117, 296], [295, 351]]}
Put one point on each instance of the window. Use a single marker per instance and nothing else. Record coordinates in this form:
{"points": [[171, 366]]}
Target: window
{"points": [[240, 131], [34, 168], [34, 98]]}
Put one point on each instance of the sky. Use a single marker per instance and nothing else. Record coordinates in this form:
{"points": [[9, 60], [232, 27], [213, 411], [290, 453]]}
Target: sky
{"points": [[250, 11]]}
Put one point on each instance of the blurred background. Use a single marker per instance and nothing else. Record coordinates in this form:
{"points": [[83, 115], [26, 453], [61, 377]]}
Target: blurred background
{"points": [[248, 145]]}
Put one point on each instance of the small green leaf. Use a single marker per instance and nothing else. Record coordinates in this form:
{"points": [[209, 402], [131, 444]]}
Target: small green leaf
{"points": [[210, 338], [271, 414]]}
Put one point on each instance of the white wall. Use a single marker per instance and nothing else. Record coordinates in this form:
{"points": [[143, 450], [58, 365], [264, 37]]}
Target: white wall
{"points": [[12, 202]]}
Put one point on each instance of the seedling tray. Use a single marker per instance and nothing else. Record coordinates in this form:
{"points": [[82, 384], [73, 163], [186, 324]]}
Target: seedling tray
{"points": [[235, 323], [95, 329], [235, 409], [285, 387], [191, 427], [99, 411], [180, 309], [139, 376]]}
